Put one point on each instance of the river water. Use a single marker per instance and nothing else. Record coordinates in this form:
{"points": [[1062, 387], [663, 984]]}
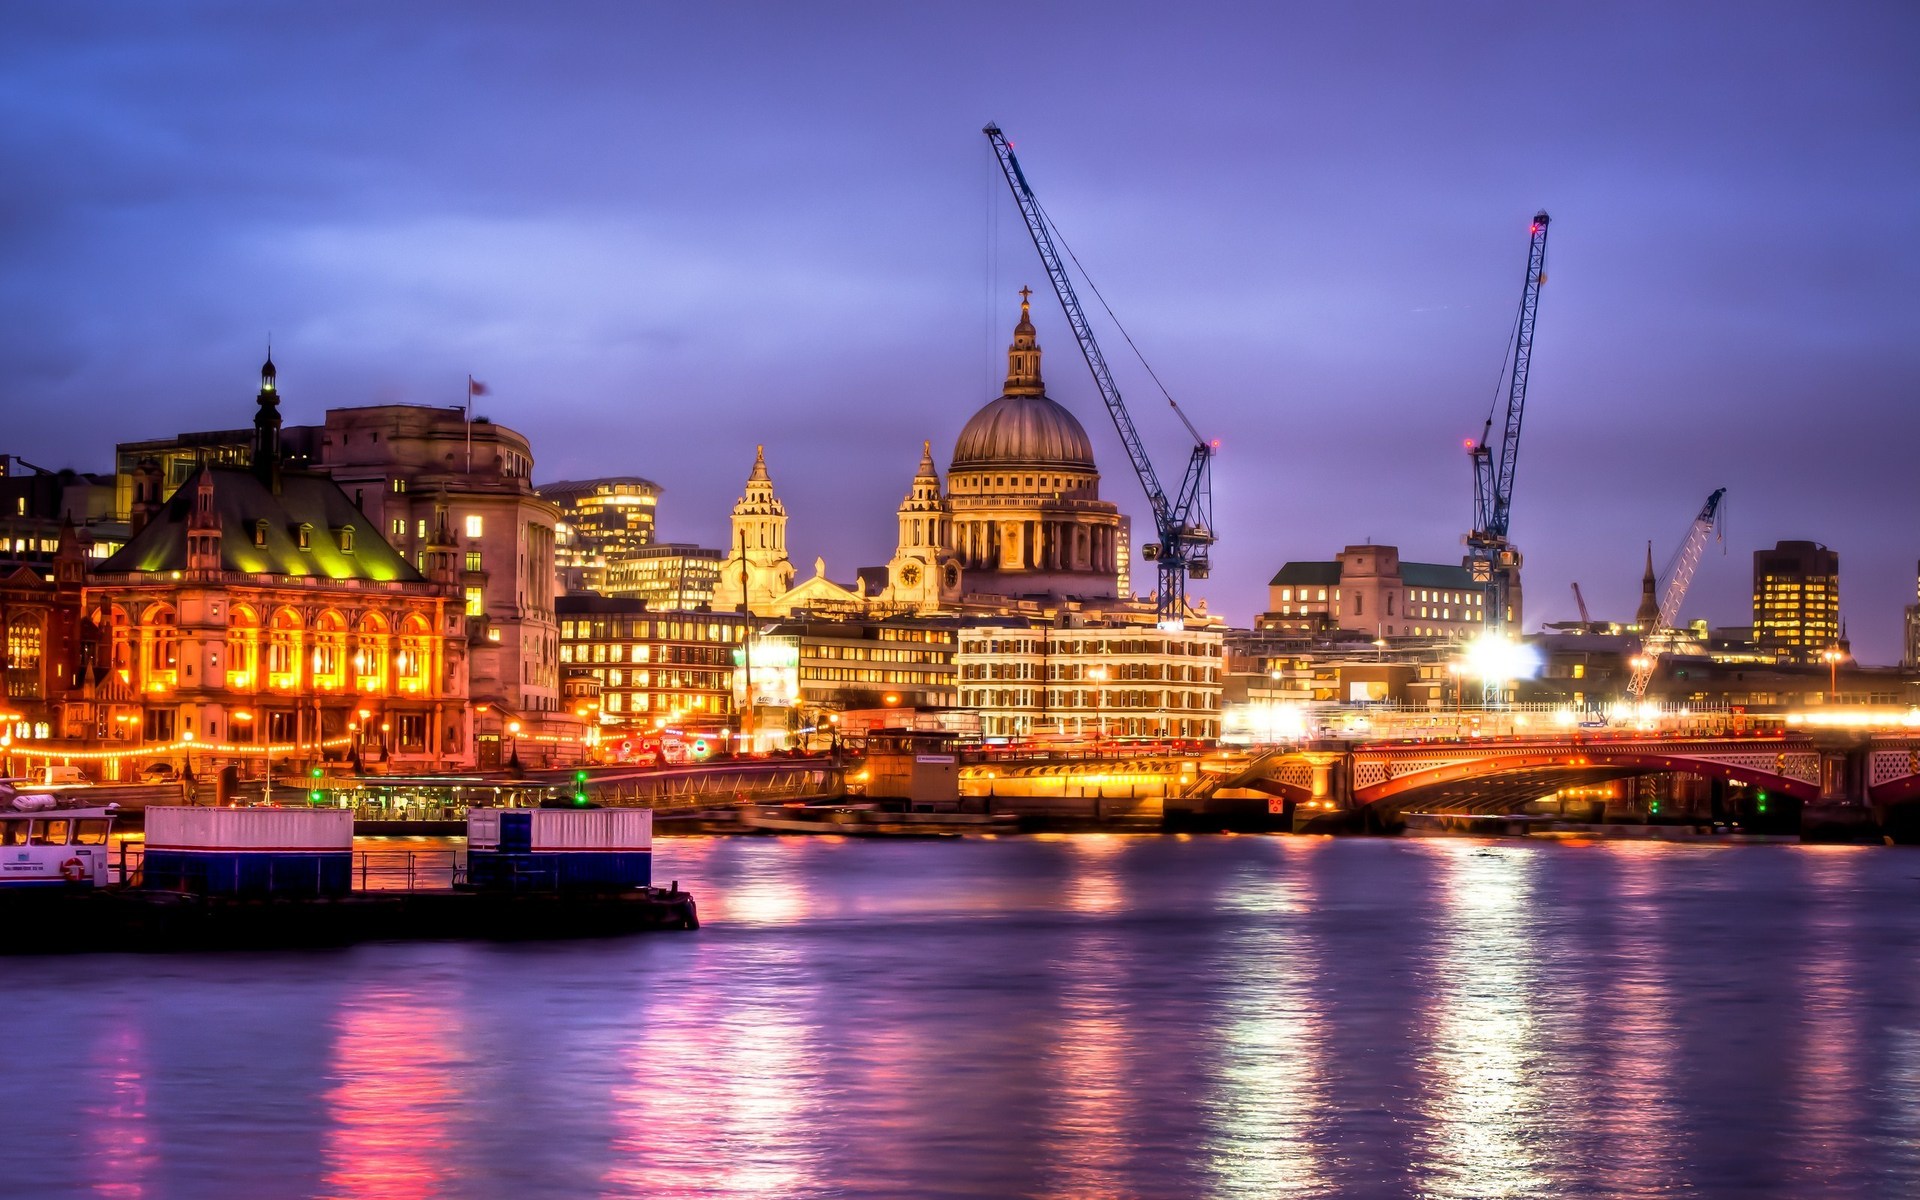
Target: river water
{"points": [[1086, 1016]]}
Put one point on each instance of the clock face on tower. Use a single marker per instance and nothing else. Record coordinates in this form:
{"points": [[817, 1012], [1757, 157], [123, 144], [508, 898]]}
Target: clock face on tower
{"points": [[951, 575], [910, 574]]}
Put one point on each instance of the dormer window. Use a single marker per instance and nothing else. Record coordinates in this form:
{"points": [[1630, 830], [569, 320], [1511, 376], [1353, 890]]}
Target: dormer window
{"points": [[303, 536], [259, 533], [344, 536]]}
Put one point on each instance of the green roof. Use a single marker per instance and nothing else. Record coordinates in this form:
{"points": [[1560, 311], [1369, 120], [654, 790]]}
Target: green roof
{"points": [[1311, 574], [242, 501], [1412, 574], [1438, 575]]}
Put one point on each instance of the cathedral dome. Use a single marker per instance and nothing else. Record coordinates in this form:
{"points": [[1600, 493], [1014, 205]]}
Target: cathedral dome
{"points": [[1023, 428], [1024, 431]]}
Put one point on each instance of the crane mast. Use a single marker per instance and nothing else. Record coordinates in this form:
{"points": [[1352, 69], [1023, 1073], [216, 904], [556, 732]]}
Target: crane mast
{"points": [[1182, 522], [1679, 577], [1492, 558]]}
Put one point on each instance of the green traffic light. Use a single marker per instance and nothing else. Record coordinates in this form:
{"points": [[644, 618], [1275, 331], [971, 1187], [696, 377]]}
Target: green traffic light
{"points": [[316, 796], [316, 772], [580, 798], [580, 777]]}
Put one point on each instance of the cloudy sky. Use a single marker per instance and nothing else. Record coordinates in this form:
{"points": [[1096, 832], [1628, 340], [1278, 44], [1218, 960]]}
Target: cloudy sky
{"points": [[664, 233]]}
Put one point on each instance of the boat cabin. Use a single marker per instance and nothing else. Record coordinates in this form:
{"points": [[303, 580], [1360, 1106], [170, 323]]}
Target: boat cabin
{"points": [[53, 846]]}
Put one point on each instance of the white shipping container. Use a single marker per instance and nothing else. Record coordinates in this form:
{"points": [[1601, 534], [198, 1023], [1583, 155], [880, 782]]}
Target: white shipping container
{"points": [[483, 829], [593, 829], [179, 828]]}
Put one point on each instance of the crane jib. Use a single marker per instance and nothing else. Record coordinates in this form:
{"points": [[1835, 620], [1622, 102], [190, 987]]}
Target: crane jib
{"points": [[1184, 529]]}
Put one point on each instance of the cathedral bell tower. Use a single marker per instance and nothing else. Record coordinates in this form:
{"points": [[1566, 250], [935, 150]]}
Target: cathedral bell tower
{"points": [[924, 573], [757, 570]]}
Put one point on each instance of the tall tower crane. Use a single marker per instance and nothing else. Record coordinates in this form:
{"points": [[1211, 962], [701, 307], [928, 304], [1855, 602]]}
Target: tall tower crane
{"points": [[1183, 522], [1679, 575], [1493, 559]]}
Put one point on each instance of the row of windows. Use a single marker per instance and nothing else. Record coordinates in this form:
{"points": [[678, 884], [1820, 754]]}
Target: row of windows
{"points": [[864, 653], [600, 629], [1124, 671], [640, 652], [1000, 646], [667, 702], [857, 675], [1093, 701], [614, 677]]}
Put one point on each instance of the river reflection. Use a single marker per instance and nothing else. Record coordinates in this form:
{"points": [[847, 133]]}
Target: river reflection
{"points": [[1061, 1017], [1484, 1103]]}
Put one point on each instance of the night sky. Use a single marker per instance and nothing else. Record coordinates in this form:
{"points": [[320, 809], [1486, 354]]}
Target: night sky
{"points": [[665, 233]]}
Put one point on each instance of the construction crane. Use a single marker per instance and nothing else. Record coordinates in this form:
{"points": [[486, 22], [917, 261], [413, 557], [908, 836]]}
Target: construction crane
{"points": [[1491, 557], [1679, 575], [1581, 601], [1183, 522]]}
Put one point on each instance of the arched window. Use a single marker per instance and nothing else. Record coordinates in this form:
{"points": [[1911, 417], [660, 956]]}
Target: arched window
{"points": [[26, 639], [160, 648], [283, 649]]}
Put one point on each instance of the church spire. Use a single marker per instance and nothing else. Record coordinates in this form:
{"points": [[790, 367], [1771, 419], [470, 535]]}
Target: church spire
{"points": [[1649, 612], [1023, 357], [759, 466], [266, 426]]}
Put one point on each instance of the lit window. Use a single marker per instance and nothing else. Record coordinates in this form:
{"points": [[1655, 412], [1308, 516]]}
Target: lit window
{"points": [[473, 525], [474, 602]]}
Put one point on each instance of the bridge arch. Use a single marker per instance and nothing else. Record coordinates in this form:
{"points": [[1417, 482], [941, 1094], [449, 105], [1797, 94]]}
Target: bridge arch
{"points": [[1391, 779]]}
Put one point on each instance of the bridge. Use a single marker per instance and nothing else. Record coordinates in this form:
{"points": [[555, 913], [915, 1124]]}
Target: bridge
{"points": [[1847, 778], [1773, 780]]}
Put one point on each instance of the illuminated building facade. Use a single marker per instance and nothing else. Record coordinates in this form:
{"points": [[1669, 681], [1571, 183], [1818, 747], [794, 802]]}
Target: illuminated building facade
{"points": [[602, 522], [1123, 681], [402, 464], [650, 668], [260, 606], [1369, 590], [806, 669], [666, 575], [1796, 601]]}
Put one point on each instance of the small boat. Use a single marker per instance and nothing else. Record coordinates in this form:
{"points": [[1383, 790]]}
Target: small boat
{"points": [[50, 841]]}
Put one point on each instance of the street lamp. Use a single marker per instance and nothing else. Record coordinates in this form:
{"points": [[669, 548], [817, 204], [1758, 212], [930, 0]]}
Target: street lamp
{"points": [[513, 745], [1832, 656]]}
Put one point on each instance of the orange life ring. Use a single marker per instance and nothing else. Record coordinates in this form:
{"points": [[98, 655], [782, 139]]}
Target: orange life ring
{"points": [[74, 871]]}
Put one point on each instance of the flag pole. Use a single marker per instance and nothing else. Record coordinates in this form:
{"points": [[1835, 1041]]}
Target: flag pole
{"points": [[469, 424]]}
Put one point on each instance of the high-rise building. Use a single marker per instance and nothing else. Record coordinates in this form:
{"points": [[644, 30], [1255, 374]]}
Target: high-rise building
{"points": [[1796, 601], [602, 522], [666, 576]]}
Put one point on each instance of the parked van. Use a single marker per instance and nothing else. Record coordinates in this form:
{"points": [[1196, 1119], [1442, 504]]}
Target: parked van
{"points": [[52, 777]]}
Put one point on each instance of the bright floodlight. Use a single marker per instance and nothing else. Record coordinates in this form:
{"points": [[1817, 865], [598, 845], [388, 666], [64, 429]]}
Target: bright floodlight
{"points": [[1498, 659]]}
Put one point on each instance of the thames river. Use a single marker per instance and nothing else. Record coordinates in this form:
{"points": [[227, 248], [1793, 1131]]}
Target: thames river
{"points": [[1079, 1016]]}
